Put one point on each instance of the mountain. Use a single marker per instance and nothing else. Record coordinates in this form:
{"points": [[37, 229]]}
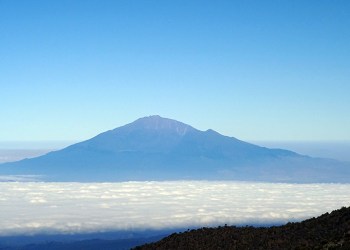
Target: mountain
{"points": [[329, 231], [156, 148]]}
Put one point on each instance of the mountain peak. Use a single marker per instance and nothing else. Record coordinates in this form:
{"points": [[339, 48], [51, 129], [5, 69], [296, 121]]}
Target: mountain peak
{"points": [[156, 122], [157, 148]]}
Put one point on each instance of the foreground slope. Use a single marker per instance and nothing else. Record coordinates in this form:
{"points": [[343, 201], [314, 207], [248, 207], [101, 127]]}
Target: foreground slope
{"points": [[156, 148], [329, 231]]}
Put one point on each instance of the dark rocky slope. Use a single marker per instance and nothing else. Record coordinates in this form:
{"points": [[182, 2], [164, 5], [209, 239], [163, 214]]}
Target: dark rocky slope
{"points": [[329, 231]]}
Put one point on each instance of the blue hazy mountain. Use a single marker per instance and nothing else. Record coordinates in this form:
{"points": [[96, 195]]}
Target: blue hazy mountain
{"points": [[156, 148]]}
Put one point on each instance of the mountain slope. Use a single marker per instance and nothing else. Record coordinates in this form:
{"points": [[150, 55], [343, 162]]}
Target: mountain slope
{"points": [[329, 231], [156, 148]]}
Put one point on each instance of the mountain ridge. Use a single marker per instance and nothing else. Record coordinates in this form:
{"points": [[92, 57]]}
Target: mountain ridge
{"points": [[157, 148], [328, 231]]}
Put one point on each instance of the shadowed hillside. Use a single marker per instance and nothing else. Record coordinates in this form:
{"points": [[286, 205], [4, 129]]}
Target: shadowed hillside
{"points": [[329, 231]]}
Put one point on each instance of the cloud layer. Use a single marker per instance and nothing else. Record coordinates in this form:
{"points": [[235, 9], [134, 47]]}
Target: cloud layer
{"points": [[33, 208]]}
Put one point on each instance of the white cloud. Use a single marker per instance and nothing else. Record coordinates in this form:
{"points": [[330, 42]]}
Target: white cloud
{"points": [[32, 207]]}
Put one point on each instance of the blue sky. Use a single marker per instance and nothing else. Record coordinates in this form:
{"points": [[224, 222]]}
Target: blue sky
{"points": [[256, 70]]}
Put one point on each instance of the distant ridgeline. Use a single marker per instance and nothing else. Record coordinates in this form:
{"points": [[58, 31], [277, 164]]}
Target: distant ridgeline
{"points": [[156, 148]]}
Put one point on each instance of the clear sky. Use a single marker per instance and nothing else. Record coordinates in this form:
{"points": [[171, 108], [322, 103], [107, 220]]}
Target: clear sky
{"points": [[256, 70]]}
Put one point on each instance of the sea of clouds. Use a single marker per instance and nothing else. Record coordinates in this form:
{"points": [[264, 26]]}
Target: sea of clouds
{"points": [[35, 208]]}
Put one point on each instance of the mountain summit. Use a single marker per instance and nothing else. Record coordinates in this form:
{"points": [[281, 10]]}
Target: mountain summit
{"points": [[155, 122], [156, 148]]}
